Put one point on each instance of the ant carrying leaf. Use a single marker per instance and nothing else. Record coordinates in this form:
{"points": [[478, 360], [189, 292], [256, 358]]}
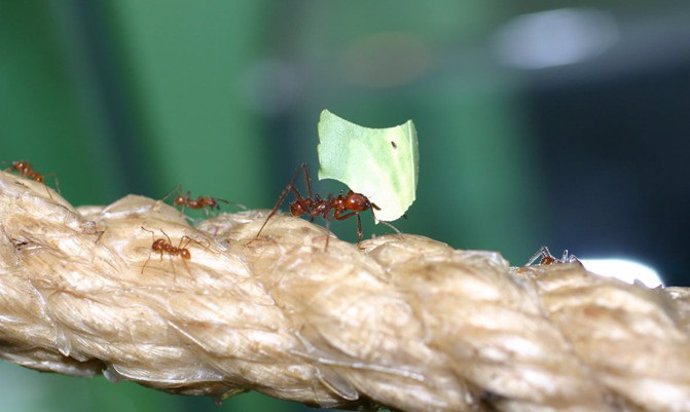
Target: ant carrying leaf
{"points": [[339, 207]]}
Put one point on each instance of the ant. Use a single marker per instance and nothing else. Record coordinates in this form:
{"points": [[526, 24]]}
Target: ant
{"points": [[343, 206], [546, 258], [201, 202], [165, 246], [25, 169]]}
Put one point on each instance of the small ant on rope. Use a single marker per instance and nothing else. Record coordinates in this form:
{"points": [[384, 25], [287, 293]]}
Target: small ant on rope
{"points": [[546, 258], [24, 168], [207, 203], [165, 246], [342, 206]]}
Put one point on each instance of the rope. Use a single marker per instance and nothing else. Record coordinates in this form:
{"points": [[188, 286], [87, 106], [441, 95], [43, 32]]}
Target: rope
{"points": [[401, 321]]}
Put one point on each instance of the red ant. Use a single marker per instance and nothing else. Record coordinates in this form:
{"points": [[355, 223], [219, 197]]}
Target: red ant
{"points": [[546, 258], [343, 206], [25, 169], [165, 246], [201, 202]]}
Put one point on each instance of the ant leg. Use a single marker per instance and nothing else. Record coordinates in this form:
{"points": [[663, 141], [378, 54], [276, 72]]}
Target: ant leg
{"points": [[181, 247], [188, 196], [206, 246], [574, 259], [172, 264], [100, 235], [146, 263], [48, 191], [548, 259], [542, 252], [182, 239], [57, 184], [227, 202], [328, 234], [149, 257], [171, 256], [281, 199], [186, 266], [166, 235], [55, 181], [570, 258], [337, 215], [290, 187], [307, 178], [390, 225], [177, 188], [151, 232]]}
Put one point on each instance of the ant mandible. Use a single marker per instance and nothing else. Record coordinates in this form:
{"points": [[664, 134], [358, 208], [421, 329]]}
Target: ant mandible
{"points": [[343, 206], [546, 258], [165, 246]]}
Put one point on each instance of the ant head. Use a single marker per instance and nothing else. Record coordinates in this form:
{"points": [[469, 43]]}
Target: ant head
{"points": [[297, 208], [179, 200], [158, 245], [20, 164], [357, 202], [185, 254]]}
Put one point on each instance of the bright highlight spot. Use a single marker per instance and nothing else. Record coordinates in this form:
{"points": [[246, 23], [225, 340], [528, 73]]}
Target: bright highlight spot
{"points": [[625, 270], [555, 38]]}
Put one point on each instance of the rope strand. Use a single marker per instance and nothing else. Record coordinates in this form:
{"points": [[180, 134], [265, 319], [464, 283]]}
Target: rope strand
{"points": [[406, 322]]}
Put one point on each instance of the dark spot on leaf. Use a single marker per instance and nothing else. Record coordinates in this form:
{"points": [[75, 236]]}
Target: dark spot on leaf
{"points": [[395, 146]]}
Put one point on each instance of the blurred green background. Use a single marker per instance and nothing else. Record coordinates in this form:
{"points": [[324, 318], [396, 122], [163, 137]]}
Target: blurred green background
{"points": [[537, 124]]}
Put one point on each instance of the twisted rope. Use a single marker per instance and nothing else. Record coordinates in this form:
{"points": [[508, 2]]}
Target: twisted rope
{"points": [[405, 321]]}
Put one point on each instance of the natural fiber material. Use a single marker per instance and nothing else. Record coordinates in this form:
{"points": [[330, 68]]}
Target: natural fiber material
{"points": [[405, 321]]}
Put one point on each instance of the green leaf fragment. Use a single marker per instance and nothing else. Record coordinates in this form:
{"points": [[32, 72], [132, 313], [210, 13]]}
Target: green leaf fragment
{"points": [[381, 164]]}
